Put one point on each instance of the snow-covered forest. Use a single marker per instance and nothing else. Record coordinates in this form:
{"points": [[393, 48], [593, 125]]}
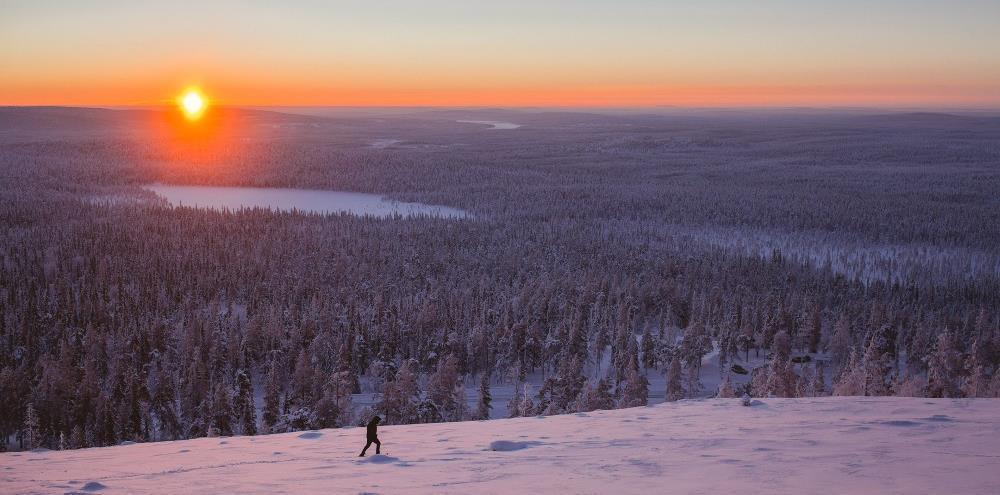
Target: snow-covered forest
{"points": [[784, 254]]}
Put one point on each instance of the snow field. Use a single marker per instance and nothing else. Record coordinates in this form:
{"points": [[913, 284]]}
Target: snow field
{"points": [[820, 445]]}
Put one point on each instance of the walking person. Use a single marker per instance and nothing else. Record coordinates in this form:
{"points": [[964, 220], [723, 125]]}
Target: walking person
{"points": [[373, 436]]}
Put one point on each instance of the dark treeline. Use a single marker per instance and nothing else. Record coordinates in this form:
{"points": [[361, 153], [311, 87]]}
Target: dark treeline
{"points": [[126, 320]]}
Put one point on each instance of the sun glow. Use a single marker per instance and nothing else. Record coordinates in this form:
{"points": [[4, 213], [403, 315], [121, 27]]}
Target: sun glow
{"points": [[192, 103]]}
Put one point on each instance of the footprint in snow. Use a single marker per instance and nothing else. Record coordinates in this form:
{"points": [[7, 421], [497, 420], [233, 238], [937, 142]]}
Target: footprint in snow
{"points": [[93, 486], [900, 422], [510, 446], [940, 418], [310, 435]]}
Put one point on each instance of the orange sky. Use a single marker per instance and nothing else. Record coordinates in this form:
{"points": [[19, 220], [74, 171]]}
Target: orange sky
{"points": [[513, 53]]}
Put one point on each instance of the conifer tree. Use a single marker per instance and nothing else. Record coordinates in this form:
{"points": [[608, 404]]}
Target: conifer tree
{"points": [[566, 386], [221, 412], [695, 344], [596, 396], [994, 388], [485, 399], [815, 329], [333, 409], [724, 349], [31, 433], [244, 411], [446, 391], [876, 368], [527, 406], [726, 388], [942, 370], [401, 398], [636, 392], [602, 398], [648, 349], [781, 379], [514, 404], [78, 438], [976, 382], [675, 390], [852, 378], [819, 380], [911, 386], [302, 385], [272, 398], [840, 343]]}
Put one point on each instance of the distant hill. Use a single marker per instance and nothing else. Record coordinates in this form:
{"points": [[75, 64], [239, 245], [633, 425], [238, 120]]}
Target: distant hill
{"points": [[927, 119], [68, 119]]}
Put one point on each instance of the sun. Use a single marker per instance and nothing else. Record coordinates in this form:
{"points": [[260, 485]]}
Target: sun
{"points": [[192, 103]]}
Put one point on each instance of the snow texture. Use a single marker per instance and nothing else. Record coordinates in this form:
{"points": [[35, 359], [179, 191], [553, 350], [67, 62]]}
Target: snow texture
{"points": [[822, 445]]}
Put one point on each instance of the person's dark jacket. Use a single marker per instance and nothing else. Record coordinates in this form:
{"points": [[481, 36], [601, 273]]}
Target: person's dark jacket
{"points": [[373, 429]]}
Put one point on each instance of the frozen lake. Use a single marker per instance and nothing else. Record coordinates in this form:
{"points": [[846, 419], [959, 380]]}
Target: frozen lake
{"points": [[307, 200], [498, 125]]}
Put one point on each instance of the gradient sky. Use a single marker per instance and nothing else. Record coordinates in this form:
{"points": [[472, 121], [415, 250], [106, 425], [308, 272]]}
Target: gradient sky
{"points": [[506, 53]]}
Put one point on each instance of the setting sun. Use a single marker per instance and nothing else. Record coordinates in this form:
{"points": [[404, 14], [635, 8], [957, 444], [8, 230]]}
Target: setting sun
{"points": [[192, 103]]}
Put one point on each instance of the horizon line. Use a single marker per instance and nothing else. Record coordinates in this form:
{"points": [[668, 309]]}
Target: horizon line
{"points": [[681, 107]]}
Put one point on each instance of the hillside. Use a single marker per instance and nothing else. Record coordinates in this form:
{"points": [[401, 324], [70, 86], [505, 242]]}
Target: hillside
{"points": [[821, 445]]}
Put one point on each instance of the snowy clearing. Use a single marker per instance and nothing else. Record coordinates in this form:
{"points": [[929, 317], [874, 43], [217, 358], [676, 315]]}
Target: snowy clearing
{"points": [[384, 143], [496, 124], [822, 445], [287, 199]]}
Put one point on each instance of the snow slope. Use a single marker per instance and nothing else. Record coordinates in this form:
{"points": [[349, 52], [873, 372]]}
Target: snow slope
{"points": [[824, 445]]}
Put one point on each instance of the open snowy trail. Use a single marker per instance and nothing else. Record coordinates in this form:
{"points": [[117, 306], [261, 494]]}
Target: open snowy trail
{"points": [[823, 445]]}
